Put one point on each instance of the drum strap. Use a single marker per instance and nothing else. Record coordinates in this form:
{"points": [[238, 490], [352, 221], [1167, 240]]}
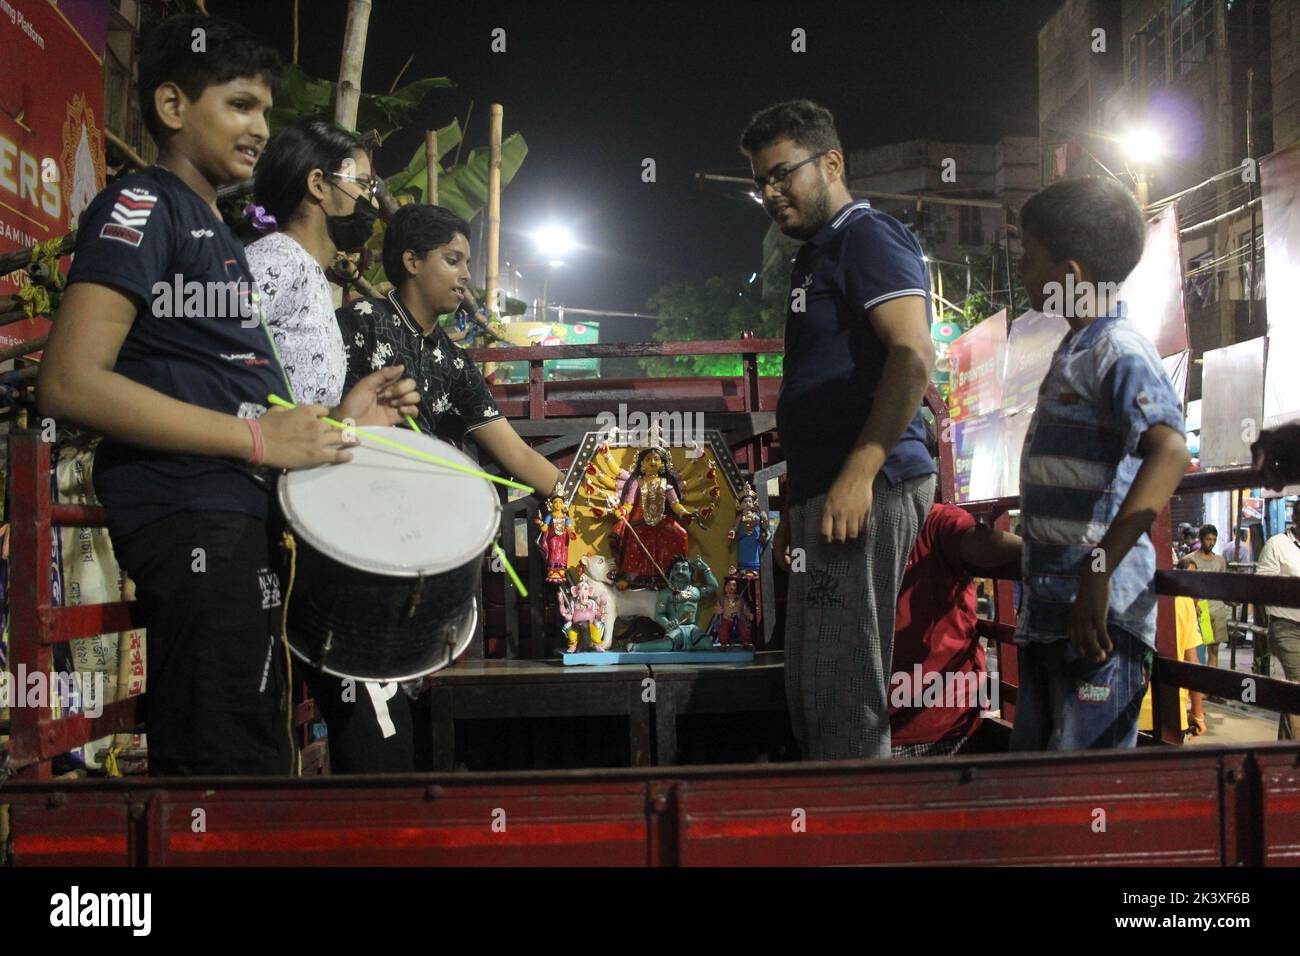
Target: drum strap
{"points": [[290, 545]]}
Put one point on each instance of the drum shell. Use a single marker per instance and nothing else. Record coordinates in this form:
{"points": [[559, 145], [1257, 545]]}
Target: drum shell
{"points": [[356, 624]]}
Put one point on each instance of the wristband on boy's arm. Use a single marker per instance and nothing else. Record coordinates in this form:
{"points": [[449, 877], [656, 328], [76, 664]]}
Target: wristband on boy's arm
{"points": [[259, 442]]}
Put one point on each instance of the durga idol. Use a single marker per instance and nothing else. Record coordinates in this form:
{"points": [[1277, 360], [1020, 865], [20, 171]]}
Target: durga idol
{"points": [[649, 533]]}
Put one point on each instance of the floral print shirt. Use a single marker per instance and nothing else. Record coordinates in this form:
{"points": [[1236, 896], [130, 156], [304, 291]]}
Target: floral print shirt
{"points": [[300, 314], [379, 332]]}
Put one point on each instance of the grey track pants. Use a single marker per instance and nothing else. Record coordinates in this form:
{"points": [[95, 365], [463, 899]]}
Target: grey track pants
{"points": [[839, 631]]}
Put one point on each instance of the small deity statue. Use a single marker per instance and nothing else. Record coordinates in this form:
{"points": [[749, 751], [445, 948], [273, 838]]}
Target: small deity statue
{"points": [[678, 606], [556, 533], [750, 533], [650, 530], [586, 610], [736, 615]]}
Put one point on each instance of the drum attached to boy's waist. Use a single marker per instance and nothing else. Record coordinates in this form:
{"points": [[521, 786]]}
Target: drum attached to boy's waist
{"points": [[389, 554]]}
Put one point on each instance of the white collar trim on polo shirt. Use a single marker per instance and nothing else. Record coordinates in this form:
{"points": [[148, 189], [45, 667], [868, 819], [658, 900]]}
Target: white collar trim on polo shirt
{"points": [[410, 324], [840, 219]]}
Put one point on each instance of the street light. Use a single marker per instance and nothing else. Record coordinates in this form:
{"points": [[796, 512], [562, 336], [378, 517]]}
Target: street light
{"points": [[1143, 146], [553, 242]]}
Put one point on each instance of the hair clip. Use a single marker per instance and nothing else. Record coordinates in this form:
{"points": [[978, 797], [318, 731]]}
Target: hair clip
{"points": [[259, 218]]}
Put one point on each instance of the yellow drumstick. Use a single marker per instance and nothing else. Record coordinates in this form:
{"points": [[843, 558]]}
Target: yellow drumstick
{"points": [[413, 452]]}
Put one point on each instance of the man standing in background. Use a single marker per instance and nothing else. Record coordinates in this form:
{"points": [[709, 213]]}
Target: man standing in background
{"points": [[1281, 555]]}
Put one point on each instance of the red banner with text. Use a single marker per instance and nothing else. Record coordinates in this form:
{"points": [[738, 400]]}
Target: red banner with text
{"points": [[51, 129]]}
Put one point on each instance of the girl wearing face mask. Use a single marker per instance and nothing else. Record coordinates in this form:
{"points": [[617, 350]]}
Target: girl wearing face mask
{"points": [[314, 188]]}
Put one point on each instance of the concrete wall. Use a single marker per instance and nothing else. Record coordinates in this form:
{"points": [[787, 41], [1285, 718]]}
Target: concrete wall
{"points": [[1284, 17]]}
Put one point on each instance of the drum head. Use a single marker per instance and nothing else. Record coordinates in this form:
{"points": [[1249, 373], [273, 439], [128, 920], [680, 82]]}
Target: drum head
{"points": [[389, 513]]}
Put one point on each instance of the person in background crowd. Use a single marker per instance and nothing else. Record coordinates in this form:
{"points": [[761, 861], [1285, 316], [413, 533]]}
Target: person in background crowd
{"points": [[1281, 555], [1238, 551], [1188, 628], [935, 632], [1206, 560]]}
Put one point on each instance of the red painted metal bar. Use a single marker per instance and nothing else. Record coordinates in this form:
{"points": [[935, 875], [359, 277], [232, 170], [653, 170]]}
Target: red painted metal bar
{"points": [[1210, 806], [59, 625], [1230, 586], [536, 390], [30, 591], [547, 353], [1004, 615], [35, 734], [78, 516]]}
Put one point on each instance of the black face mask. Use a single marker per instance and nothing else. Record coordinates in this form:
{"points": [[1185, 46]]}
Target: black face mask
{"points": [[349, 233]]}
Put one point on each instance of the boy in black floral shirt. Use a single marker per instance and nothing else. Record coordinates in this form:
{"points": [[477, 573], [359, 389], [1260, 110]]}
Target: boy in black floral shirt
{"points": [[426, 257]]}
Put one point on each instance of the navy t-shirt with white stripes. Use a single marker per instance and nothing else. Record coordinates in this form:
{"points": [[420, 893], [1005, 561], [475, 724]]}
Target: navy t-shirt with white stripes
{"points": [[833, 358], [197, 337]]}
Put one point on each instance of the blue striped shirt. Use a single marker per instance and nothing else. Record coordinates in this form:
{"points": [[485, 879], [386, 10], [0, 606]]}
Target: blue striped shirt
{"points": [[1106, 387]]}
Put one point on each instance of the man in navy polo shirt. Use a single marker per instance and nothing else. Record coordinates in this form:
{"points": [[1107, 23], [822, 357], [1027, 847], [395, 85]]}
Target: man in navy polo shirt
{"points": [[857, 362]]}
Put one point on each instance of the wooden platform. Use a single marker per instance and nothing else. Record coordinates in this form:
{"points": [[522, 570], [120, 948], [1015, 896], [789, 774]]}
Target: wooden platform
{"points": [[651, 698]]}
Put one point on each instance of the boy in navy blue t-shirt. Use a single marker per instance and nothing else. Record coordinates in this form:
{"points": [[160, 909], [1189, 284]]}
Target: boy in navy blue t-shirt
{"points": [[159, 346]]}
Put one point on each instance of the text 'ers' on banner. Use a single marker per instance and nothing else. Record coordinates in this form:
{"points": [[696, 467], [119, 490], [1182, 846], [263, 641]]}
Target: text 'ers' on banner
{"points": [[51, 137]]}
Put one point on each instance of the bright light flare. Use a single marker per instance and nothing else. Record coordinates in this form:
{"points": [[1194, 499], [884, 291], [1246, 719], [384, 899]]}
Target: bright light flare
{"points": [[1142, 144], [554, 241]]}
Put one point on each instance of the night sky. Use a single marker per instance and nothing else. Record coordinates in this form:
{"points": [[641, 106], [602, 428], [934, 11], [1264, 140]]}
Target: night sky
{"points": [[596, 88]]}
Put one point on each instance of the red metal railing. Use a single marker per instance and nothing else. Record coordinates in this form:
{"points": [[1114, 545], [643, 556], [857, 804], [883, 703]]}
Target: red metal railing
{"points": [[37, 625], [1170, 673]]}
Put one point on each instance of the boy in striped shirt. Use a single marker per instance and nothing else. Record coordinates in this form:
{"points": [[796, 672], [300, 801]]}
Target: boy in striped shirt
{"points": [[1103, 453]]}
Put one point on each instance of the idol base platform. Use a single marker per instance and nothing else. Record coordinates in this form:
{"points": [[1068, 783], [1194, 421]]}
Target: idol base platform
{"points": [[589, 658]]}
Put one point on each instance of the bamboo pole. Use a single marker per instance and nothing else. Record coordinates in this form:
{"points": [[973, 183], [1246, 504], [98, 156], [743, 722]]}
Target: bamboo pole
{"points": [[20, 315], [494, 209], [23, 348], [19, 258], [121, 144], [431, 166], [354, 55], [295, 32]]}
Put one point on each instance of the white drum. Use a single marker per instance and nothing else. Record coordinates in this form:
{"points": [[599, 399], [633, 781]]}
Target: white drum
{"points": [[389, 558]]}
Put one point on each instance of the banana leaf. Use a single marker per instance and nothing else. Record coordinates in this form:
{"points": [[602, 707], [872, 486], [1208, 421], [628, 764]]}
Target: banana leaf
{"points": [[305, 97], [464, 189], [389, 112], [300, 97]]}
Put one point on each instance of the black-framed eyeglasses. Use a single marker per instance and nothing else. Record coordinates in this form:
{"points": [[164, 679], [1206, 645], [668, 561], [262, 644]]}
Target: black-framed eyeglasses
{"points": [[780, 178], [370, 185]]}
